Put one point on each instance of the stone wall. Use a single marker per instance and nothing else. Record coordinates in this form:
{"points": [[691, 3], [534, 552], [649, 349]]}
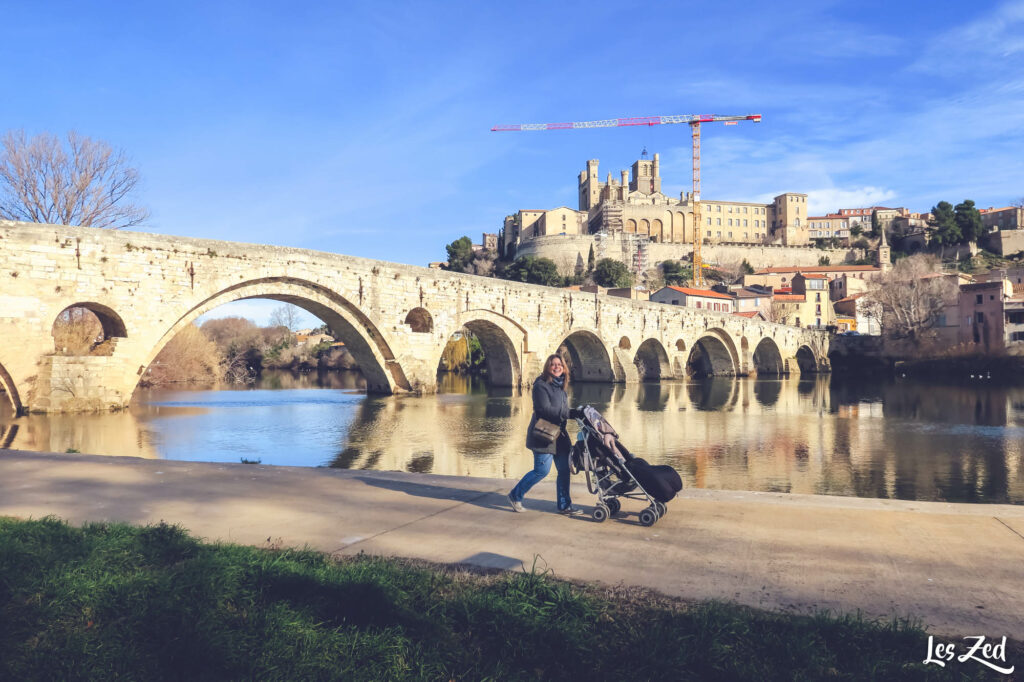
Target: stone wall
{"points": [[152, 286], [564, 250]]}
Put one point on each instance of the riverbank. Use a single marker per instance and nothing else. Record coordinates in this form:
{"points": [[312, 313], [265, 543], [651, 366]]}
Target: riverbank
{"points": [[953, 567], [112, 600]]}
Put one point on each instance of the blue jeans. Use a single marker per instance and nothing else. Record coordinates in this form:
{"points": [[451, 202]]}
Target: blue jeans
{"points": [[541, 467]]}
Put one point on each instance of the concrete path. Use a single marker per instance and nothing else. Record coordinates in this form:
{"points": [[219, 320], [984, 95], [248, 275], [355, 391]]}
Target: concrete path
{"points": [[957, 567]]}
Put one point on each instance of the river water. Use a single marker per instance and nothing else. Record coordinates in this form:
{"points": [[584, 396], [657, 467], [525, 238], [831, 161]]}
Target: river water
{"points": [[823, 435]]}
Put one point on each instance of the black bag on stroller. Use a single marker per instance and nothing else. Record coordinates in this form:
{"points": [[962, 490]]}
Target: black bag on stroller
{"points": [[660, 480]]}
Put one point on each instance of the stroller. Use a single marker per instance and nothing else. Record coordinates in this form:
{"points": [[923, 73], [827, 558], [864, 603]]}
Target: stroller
{"points": [[617, 473]]}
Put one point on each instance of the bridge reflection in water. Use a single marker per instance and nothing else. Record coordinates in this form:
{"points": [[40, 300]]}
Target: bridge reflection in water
{"points": [[888, 440]]}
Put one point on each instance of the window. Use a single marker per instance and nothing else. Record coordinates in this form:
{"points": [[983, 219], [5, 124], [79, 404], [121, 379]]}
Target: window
{"points": [[709, 233], [978, 299], [817, 297], [675, 301], [744, 222], [698, 304], [718, 234], [730, 235], [709, 220], [744, 209], [719, 208], [718, 221], [730, 209], [991, 297], [745, 235], [730, 222]]}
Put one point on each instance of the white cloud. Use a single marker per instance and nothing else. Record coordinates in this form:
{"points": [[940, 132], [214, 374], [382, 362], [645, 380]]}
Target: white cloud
{"points": [[828, 200]]}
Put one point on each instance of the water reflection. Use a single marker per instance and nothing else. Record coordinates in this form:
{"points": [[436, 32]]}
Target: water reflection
{"points": [[866, 439]]}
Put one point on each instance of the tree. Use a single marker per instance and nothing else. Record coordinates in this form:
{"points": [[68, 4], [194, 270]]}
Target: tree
{"points": [[676, 273], [79, 181], [590, 260], [460, 254], [856, 229], [968, 220], [943, 221], [776, 312], [824, 260], [285, 316], [612, 274], [534, 271], [746, 268], [912, 296]]}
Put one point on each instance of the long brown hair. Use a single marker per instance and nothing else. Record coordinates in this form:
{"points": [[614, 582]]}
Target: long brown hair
{"points": [[547, 376]]}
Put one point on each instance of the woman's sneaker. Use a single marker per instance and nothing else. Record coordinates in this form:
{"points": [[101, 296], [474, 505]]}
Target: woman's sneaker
{"points": [[571, 511], [517, 506]]}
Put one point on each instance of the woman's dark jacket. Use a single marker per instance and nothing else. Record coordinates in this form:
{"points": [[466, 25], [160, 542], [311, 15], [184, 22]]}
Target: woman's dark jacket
{"points": [[549, 402]]}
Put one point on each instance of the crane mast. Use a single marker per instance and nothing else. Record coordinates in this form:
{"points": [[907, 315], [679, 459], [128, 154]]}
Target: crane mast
{"points": [[694, 121]]}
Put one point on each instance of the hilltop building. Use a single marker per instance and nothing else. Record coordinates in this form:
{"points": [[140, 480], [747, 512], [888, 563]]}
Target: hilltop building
{"points": [[634, 204]]}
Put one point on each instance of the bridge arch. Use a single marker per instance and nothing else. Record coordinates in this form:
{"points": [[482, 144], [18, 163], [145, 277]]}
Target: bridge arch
{"points": [[713, 354], [767, 358], [10, 389], [500, 337], [363, 340], [651, 361], [806, 360], [420, 321], [111, 324], [587, 356]]}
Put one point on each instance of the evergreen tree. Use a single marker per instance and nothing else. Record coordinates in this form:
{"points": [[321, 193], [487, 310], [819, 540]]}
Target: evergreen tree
{"points": [[612, 273], [590, 260], [534, 271], [968, 220], [460, 254], [947, 232]]}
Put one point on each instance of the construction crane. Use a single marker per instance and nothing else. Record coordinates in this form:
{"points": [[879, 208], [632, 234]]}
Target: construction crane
{"points": [[694, 121]]}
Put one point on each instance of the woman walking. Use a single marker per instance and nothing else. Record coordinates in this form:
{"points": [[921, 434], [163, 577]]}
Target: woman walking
{"points": [[550, 404]]}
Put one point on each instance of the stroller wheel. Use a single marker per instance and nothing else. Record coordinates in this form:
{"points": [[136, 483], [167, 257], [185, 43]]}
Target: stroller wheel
{"points": [[614, 507], [648, 516], [662, 509], [600, 513]]}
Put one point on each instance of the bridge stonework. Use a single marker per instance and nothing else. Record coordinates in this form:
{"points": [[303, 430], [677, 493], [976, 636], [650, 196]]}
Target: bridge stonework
{"points": [[394, 319]]}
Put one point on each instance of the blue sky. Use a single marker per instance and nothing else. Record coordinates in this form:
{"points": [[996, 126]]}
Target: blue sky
{"points": [[363, 128]]}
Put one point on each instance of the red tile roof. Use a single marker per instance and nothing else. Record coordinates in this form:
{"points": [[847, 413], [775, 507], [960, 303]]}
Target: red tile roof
{"points": [[790, 297], [813, 276], [751, 313], [820, 268], [700, 292]]}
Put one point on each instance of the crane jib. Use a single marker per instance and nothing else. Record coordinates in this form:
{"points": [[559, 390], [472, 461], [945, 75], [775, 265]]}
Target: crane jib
{"points": [[627, 122]]}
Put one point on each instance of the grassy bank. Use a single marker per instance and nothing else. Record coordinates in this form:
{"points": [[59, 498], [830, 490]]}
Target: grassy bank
{"points": [[117, 601]]}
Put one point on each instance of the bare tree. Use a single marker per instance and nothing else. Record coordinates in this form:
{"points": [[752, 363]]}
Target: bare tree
{"points": [[1019, 203], [79, 181], [912, 296], [285, 316], [776, 312]]}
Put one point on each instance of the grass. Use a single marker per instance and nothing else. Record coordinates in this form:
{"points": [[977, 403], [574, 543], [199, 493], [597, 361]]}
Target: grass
{"points": [[113, 601]]}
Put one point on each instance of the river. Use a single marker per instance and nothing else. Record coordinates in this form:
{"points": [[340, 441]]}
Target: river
{"points": [[878, 438]]}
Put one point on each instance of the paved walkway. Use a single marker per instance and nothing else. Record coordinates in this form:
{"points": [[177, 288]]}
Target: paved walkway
{"points": [[959, 568]]}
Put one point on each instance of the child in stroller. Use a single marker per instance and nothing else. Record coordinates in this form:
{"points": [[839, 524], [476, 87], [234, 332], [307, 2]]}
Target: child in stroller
{"points": [[617, 473]]}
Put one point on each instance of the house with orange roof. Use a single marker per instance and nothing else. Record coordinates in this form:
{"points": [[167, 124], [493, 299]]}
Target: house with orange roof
{"points": [[777, 277], [701, 299]]}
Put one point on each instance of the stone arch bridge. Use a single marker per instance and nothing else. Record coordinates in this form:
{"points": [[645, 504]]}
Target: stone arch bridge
{"points": [[394, 319]]}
